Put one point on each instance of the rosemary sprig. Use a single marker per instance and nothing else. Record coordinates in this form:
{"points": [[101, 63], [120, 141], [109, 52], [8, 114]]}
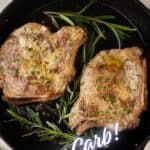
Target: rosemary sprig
{"points": [[86, 7], [64, 104], [78, 18], [51, 132], [97, 19]]}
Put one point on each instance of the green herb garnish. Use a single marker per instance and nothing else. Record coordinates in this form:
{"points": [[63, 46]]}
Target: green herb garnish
{"points": [[30, 49], [110, 98], [128, 110], [15, 73], [121, 68], [48, 133], [17, 60], [103, 112]]}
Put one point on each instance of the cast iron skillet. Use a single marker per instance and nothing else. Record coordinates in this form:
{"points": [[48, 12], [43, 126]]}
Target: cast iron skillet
{"points": [[128, 12]]}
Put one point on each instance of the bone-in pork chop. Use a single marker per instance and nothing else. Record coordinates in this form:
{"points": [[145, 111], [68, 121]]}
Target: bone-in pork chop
{"points": [[112, 90], [37, 65]]}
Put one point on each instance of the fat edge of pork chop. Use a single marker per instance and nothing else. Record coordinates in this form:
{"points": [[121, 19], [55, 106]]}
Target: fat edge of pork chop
{"points": [[112, 90], [38, 65]]}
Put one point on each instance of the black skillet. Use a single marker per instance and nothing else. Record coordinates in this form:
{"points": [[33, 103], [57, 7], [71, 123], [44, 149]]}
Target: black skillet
{"points": [[128, 12]]}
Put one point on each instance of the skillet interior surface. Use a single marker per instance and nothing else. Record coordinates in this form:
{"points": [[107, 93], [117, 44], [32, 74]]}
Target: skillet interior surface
{"points": [[127, 13]]}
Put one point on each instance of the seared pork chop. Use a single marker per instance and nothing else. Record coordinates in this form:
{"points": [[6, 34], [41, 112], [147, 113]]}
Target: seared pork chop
{"points": [[112, 90], [37, 65]]}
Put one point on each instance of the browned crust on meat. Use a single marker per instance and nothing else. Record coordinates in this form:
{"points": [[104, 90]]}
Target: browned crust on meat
{"points": [[45, 66], [85, 111]]}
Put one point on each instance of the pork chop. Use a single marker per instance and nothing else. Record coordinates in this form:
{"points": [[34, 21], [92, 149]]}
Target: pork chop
{"points": [[37, 65], [112, 90]]}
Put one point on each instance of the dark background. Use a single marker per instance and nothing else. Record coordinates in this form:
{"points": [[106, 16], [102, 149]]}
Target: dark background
{"points": [[14, 16]]}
